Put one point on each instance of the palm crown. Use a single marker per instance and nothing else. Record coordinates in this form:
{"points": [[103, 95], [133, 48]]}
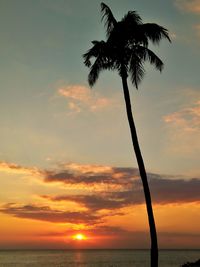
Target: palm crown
{"points": [[126, 48]]}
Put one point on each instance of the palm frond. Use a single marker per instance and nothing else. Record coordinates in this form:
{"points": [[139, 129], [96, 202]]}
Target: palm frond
{"points": [[93, 75], [95, 70], [108, 17], [149, 55], [97, 49], [154, 32], [136, 70], [132, 18], [100, 64]]}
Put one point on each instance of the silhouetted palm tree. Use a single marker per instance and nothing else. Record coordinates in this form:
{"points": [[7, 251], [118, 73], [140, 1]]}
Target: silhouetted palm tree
{"points": [[126, 50]]}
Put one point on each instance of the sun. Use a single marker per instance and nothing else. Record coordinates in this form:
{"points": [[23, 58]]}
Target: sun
{"points": [[79, 237]]}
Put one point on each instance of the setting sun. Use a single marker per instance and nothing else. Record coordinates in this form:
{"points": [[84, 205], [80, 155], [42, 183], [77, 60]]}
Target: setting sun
{"points": [[79, 237]]}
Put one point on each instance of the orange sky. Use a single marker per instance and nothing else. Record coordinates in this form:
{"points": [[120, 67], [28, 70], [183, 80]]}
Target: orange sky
{"points": [[46, 208]]}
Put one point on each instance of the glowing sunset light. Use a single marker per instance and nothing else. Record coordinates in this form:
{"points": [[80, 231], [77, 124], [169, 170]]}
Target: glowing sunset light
{"points": [[79, 237]]}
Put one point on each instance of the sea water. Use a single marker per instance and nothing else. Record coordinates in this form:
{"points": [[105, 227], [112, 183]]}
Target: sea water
{"points": [[94, 258]]}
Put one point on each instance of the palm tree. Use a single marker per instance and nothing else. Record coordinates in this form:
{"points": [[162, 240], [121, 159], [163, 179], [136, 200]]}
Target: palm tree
{"points": [[126, 50]]}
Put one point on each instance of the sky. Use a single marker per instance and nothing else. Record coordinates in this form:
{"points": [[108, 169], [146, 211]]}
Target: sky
{"points": [[67, 165]]}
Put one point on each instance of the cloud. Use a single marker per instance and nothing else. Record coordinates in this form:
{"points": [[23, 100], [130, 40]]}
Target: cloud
{"points": [[184, 129], [192, 6], [120, 186], [109, 201], [92, 175], [163, 190], [88, 168], [17, 169], [81, 98], [106, 192], [45, 213], [187, 119]]}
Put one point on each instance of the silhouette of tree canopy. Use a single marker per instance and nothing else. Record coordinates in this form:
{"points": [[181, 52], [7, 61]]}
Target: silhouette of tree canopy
{"points": [[126, 48]]}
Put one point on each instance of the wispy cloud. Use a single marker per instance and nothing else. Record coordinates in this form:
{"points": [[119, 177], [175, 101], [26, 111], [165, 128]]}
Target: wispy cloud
{"points": [[92, 175], [81, 98], [186, 119], [164, 191], [192, 6], [100, 201], [17, 169], [184, 128], [45, 213], [120, 187]]}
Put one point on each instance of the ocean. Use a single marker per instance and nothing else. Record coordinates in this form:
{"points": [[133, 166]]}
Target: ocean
{"points": [[93, 258]]}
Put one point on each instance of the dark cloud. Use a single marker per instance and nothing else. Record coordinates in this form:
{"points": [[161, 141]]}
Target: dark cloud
{"points": [[93, 202], [45, 213], [111, 230], [175, 190], [164, 191], [116, 176], [107, 200]]}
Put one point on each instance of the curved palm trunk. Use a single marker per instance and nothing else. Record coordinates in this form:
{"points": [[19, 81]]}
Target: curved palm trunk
{"points": [[154, 245]]}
